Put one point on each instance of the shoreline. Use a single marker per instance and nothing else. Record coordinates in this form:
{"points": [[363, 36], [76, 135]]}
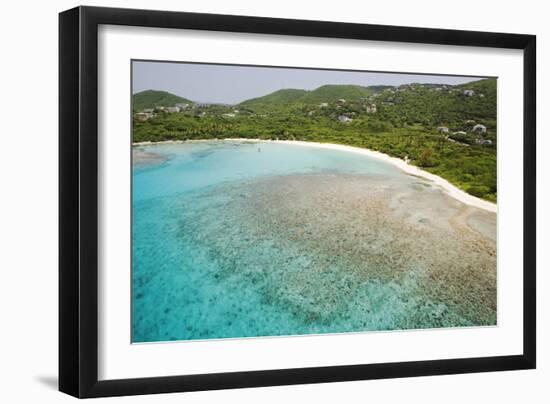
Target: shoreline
{"points": [[446, 186]]}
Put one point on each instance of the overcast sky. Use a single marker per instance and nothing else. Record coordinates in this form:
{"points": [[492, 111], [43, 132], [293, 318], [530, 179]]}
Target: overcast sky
{"points": [[233, 84]]}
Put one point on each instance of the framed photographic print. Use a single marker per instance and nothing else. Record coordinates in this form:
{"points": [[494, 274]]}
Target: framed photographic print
{"points": [[251, 201]]}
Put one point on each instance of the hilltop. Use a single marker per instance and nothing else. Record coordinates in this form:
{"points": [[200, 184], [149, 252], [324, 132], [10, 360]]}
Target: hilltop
{"points": [[154, 98], [484, 85], [334, 92], [281, 97], [326, 93]]}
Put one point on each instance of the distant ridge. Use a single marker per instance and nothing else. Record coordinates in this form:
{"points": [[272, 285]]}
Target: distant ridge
{"points": [[154, 98], [326, 93], [283, 96], [334, 92], [487, 86]]}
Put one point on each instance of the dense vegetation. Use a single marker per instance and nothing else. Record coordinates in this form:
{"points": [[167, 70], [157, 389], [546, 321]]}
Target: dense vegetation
{"points": [[152, 98], [327, 93], [406, 122], [280, 97]]}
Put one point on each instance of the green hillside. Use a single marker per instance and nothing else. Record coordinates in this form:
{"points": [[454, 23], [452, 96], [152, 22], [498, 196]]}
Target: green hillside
{"points": [[334, 92], [154, 98], [424, 105], [281, 97], [483, 86], [326, 93], [378, 89]]}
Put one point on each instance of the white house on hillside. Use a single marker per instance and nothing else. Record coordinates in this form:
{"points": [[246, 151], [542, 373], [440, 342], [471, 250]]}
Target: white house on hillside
{"points": [[371, 109], [344, 119], [479, 128], [143, 116], [469, 93]]}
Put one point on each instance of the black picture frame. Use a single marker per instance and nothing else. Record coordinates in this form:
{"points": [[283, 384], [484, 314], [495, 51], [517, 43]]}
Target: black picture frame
{"points": [[78, 201]]}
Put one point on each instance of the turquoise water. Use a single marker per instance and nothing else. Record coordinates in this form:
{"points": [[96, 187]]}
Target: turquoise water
{"points": [[195, 165], [211, 259]]}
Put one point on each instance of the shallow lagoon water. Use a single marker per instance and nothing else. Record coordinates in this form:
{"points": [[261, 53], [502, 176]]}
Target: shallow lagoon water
{"points": [[247, 239], [195, 165]]}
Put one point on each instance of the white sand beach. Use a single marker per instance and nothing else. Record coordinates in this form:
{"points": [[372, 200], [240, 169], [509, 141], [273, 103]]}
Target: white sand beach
{"points": [[449, 188]]}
